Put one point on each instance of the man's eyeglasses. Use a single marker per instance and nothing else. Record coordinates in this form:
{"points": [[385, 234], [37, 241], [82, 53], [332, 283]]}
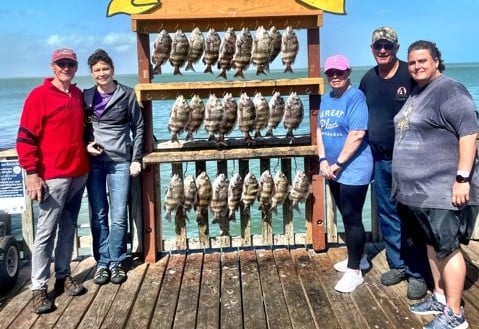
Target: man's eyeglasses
{"points": [[332, 73], [387, 46], [63, 64]]}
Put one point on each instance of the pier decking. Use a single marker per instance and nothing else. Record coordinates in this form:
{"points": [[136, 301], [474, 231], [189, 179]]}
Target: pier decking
{"points": [[256, 288]]}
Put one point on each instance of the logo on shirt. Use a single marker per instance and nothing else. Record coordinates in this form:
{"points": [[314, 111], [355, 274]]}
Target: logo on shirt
{"points": [[401, 93]]}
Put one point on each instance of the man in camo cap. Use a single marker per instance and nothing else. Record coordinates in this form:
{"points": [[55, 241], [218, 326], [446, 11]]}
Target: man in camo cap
{"points": [[386, 86]]}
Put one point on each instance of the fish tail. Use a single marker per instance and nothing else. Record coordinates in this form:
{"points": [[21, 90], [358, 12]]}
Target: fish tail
{"points": [[239, 73], [189, 66], [208, 69], [222, 74], [288, 69], [168, 216], [156, 69], [177, 71], [232, 215], [260, 70]]}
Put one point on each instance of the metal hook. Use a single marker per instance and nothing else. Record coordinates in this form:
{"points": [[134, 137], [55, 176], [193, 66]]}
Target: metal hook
{"points": [[277, 165]]}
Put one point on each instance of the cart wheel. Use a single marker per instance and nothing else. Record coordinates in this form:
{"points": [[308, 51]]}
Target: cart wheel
{"points": [[9, 262]]}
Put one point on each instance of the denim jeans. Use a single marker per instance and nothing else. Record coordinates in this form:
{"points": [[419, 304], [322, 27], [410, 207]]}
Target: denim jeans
{"points": [[109, 239], [401, 253], [57, 212]]}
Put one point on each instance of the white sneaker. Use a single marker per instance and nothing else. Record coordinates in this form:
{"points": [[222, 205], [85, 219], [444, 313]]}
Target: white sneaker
{"points": [[343, 265], [350, 280]]}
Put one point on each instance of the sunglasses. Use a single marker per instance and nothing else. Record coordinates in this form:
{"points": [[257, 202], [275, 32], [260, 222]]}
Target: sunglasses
{"points": [[64, 64], [386, 46], [332, 73]]}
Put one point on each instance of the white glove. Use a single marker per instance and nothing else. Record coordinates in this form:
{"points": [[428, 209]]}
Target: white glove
{"points": [[135, 168]]}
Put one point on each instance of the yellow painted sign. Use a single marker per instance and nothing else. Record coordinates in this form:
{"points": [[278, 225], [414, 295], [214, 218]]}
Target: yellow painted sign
{"points": [[331, 6]]}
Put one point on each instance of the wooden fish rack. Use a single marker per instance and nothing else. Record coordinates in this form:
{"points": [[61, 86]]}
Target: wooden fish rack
{"points": [[220, 14]]}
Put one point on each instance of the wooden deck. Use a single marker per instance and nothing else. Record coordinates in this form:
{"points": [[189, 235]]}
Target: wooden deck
{"points": [[262, 288]]}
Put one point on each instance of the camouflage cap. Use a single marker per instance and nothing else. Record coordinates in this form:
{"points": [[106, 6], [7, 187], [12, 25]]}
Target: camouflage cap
{"points": [[385, 33]]}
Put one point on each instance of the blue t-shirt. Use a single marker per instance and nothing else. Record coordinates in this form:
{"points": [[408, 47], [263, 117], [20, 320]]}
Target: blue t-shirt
{"points": [[337, 117]]}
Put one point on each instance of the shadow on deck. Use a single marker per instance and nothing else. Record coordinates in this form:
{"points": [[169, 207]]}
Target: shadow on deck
{"points": [[262, 288]]}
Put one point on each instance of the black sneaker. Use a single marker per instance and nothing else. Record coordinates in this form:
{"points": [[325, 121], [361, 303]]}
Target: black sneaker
{"points": [[70, 286], [40, 302], [417, 288], [393, 277], [102, 276], [118, 275]]}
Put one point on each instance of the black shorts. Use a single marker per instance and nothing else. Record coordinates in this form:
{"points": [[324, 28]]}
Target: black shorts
{"points": [[443, 229]]}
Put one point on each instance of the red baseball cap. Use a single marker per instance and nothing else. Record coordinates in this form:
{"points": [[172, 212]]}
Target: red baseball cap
{"points": [[64, 53]]}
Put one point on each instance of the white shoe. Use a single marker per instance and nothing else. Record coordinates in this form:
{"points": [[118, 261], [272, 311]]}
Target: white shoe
{"points": [[350, 280], [343, 265]]}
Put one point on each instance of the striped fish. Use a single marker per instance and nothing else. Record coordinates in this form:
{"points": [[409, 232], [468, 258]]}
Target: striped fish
{"points": [[289, 48], [179, 116], [161, 51], [174, 196], [204, 192], [230, 114], [266, 191], [197, 46], [179, 51], [246, 116], [300, 189], [189, 187], [261, 108], [235, 189], [276, 112], [250, 191], [219, 198], [212, 49], [281, 189], [197, 115]]}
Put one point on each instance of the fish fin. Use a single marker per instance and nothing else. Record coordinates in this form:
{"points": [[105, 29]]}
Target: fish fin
{"points": [[168, 216], [269, 133]]}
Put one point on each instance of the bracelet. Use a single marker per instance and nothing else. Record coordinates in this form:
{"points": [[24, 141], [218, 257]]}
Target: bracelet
{"points": [[340, 164], [322, 159]]}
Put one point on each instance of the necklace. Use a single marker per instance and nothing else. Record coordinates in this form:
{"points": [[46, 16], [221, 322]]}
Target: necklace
{"points": [[403, 124]]}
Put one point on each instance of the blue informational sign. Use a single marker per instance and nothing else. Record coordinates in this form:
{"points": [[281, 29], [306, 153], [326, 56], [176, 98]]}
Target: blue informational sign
{"points": [[12, 190]]}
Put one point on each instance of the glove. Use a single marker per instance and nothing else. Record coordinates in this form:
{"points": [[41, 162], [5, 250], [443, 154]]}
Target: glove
{"points": [[135, 168]]}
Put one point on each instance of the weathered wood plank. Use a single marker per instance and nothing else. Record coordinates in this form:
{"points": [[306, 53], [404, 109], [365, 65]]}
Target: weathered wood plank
{"points": [[144, 303], [299, 311], [274, 300], [185, 316], [253, 307], [208, 314], [164, 313], [231, 308]]}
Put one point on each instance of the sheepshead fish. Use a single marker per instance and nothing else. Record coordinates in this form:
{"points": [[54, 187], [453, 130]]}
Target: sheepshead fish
{"points": [[189, 187], [179, 51], [204, 192], [219, 199], [262, 45], [174, 196], [242, 55], [213, 116], [179, 116], [235, 188], [281, 189], [261, 108], [266, 191], [300, 189], [197, 114], [293, 113], [161, 51], [276, 112], [227, 50], [246, 116], [250, 191], [196, 48], [275, 45], [289, 48], [212, 49], [230, 114]]}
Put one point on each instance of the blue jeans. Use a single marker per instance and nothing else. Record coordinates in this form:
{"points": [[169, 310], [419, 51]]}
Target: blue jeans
{"points": [[401, 253], [109, 240]]}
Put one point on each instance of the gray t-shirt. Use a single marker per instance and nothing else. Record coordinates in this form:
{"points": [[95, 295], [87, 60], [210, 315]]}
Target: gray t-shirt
{"points": [[426, 144]]}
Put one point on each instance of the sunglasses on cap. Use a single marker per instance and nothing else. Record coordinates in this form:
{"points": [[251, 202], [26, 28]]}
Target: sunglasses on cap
{"points": [[386, 46], [332, 73], [63, 64]]}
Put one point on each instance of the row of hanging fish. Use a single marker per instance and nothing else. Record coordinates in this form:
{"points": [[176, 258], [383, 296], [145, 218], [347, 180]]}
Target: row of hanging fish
{"points": [[233, 51], [224, 196], [220, 116]]}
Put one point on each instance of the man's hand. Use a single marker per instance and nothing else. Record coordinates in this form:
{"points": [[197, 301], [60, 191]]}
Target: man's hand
{"points": [[36, 187]]}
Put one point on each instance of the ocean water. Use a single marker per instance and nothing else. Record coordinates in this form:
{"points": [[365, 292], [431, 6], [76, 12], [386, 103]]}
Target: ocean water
{"points": [[14, 90]]}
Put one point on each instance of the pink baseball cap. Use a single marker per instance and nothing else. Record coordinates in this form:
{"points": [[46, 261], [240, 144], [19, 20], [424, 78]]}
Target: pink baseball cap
{"points": [[338, 62], [64, 53]]}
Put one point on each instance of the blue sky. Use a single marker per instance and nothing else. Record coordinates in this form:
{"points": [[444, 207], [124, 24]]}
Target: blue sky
{"points": [[32, 29]]}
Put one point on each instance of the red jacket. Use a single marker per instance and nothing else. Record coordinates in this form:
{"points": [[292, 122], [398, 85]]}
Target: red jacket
{"points": [[50, 136]]}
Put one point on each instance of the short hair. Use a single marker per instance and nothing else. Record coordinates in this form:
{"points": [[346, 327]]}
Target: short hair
{"points": [[433, 51], [100, 55]]}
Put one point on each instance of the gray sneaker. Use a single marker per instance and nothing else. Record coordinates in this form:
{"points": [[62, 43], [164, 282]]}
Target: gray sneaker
{"points": [[393, 277], [429, 306], [448, 320]]}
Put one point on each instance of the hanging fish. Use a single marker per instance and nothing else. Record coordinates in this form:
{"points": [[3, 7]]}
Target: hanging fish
{"points": [[235, 189], [246, 116], [179, 51], [261, 108], [189, 187], [161, 51], [179, 116], [300, 189], [276, 39], [212, 49], [227, 50], [293, 113], [230, 114], [289, 48], [174, 196], [204, 192], [262, 45], [266, 191], [219, 199], [242, 55], [281, 189], [276, 112], [197, 115], [196, 48], [213, 116], [250, 191]]}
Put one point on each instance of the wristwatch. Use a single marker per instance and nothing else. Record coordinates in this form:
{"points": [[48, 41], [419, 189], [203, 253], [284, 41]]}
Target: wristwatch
{"points": [[462, 179]]}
